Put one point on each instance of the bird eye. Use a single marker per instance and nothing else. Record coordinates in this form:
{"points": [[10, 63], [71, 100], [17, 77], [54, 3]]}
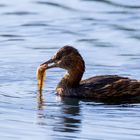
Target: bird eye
{"points": [[58, 57]]}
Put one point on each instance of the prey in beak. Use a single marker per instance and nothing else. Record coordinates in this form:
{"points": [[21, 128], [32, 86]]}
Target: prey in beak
{"points": [[41, 72], [49, 64]]}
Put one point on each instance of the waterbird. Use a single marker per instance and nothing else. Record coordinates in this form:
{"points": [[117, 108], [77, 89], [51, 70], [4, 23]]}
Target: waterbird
{"points": [[105, 88]]}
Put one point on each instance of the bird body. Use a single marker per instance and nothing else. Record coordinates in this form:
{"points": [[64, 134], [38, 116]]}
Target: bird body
{"points": [[101, 88]]}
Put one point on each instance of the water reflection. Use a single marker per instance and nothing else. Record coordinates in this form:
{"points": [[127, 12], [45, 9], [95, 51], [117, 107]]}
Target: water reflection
{"points": [[71, 118], [40, 100], [40, 106]]}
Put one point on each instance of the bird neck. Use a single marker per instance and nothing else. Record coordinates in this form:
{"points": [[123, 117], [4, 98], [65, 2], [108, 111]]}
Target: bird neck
{"points": [[71, 79]]}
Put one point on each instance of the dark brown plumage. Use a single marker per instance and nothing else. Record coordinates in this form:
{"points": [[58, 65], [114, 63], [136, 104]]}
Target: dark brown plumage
{"points": [[100, 88]]}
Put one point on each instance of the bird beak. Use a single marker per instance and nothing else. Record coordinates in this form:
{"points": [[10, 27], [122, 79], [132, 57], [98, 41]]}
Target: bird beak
{"points": [[49, 64]]}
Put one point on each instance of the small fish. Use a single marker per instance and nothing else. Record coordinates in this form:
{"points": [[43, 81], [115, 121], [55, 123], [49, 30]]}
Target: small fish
{"points": [[40, 75]]}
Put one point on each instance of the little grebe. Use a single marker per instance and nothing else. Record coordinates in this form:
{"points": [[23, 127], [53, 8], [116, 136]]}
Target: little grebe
{"points": [[102, 88]]}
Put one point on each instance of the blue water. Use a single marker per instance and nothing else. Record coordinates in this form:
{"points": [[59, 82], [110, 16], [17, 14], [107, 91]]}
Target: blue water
{"points": [[107, 34]]}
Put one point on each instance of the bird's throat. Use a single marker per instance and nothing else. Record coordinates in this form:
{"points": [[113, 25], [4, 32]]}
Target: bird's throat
{"points": [[70, 80]]}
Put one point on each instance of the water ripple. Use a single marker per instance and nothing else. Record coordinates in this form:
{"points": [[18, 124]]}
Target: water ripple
{"points": [[10, 35], [2, 5], [56, 5], [35, 25], [20, 13], [112, 3], [124, 28]]}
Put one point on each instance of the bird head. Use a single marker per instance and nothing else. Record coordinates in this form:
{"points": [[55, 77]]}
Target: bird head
{"points": [[67, 58]]}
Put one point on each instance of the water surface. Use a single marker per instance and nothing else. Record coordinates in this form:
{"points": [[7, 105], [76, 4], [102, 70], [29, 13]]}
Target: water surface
{"points": [[107, 34]]}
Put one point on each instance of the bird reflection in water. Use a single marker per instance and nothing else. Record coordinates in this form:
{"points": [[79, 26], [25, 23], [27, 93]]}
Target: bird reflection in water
{"points": [[68, 121], [70, 110], [40, 100], [40, 109]]}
